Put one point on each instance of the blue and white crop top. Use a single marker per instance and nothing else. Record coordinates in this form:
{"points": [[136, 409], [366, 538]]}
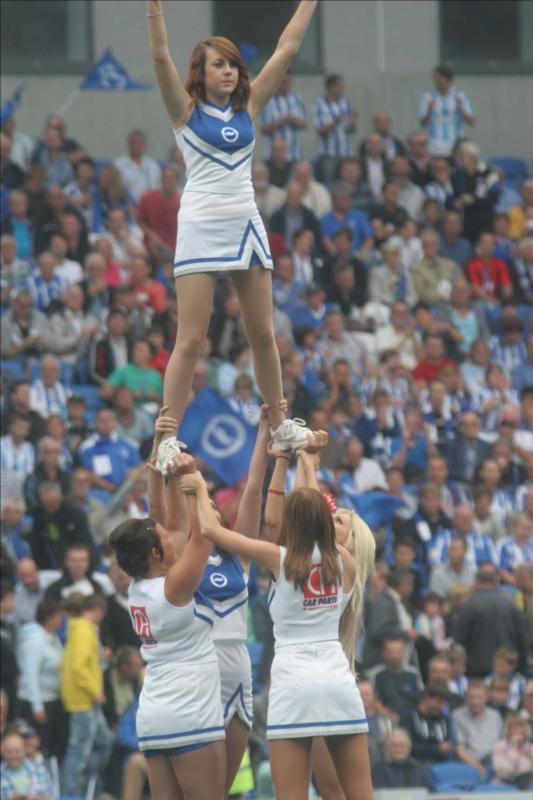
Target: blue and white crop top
{"points": [[217, 146], [223, 594]]}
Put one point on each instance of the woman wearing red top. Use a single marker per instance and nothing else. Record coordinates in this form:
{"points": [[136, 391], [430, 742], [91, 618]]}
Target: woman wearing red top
{"points": [[488, 275]]}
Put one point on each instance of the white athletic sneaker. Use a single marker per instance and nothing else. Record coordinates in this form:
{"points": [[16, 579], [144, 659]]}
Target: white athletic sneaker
{"points": [[166, 453], [290, 435]]}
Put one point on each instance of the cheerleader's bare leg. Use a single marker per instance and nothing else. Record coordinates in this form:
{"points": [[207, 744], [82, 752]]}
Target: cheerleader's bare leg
{"points": [[324, 771], [201, 774], [350, 756], [237, 735], [195, 303], [163, 782], [290, 762], [254, 287]]}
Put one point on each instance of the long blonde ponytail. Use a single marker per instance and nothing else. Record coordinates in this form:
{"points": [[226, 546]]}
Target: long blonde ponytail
{"points": [[361, 545]]}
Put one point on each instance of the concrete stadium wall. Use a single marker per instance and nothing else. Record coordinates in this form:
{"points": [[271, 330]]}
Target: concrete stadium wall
{"points": [[385, 49]]}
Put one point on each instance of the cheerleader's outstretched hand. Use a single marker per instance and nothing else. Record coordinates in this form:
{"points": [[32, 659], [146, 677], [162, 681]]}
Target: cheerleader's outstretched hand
{"points": [[183, 464], [191, 481], [315, 443]]}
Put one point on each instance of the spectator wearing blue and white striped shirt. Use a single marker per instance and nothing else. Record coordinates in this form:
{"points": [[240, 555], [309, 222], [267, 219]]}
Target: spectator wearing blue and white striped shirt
{"points": [[283, 117], [48, 395], [440, 188], [489, 400], [16, 453], [45, 285], [479, 547], [334, 120], [509, 349], [516, 549], [443, 112]]}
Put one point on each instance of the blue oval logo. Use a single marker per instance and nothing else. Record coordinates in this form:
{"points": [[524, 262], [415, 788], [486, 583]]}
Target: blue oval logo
{"points": [[230, 135], [218, 580]]}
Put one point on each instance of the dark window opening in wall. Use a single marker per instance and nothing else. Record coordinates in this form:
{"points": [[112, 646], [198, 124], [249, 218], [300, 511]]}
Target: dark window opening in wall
{"points": [[487, 35], [46, 36], [260, 22]]}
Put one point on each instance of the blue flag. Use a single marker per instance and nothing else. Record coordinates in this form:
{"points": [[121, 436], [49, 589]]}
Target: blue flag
{"points": [[248, 52], [218, 435], [109, 75], [376, 508], [9, 108]]}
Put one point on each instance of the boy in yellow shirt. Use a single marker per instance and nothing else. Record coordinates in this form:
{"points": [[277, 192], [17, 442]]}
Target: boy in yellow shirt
{"points": [[90, 740]]}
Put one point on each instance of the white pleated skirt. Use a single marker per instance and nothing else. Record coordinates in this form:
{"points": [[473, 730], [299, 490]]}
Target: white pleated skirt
{"points": [[236, 681], [179, 706], [219, 233], [313, 693]]}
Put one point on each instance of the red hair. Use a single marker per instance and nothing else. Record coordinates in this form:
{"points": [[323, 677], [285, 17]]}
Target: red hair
{"points": [[195, 79]]}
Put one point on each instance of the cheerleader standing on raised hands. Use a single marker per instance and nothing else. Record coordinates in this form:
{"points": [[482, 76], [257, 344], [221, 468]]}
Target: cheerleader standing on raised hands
{"points": [[312, 691], [219, 227]]}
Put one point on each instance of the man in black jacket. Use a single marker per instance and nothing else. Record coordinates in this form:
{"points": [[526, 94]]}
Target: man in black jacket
{"points": [[430, 730], [401, 770], [386, 617], [465, 452], [56, 524], [117, 628], [293, 216], [77, 575], [488, 620]]}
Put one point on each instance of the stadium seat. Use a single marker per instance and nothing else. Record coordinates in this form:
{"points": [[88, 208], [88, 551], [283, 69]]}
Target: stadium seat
{"points": [[497, 787], [91, 395], [455, 776], [11, 370], [514, 170]]}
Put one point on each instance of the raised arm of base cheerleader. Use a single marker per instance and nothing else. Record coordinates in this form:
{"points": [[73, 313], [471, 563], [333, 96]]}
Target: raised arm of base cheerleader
{"points": [[268, 80], [175, 97], [276, 494], [184, 576], [264, 553], [249, 514], [309, 461]]}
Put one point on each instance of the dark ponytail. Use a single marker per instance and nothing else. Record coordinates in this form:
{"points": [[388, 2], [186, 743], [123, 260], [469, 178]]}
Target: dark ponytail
{"points": [[132, 542]]}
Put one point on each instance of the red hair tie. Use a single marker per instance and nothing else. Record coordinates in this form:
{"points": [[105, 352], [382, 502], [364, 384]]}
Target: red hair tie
{"points": [[330, 500]]}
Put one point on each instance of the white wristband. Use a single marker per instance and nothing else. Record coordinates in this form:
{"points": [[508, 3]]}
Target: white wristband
{"points": [[155, 14]]}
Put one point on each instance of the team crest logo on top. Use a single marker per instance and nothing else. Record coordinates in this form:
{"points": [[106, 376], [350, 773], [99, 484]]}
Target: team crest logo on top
{"points": [[141, 625], [218, 579], [316, 593], [230, 135]]}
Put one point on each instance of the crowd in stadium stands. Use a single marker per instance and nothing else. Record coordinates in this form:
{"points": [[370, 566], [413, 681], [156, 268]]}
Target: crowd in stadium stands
{"points": [[403, 289]]}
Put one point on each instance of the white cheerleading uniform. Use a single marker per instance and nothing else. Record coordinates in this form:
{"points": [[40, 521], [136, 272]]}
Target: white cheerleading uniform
{"points": [[179, 706], [313, 692], [219, 226], [223, 592]]}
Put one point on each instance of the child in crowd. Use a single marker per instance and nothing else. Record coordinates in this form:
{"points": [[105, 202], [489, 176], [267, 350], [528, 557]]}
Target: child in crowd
{"points": [[458, 683], [505, 665], [78, 426], [245, 400], [430, 622], [498, 693]]}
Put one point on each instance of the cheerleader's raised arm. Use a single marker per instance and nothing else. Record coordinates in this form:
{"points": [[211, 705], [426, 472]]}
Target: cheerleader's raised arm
{"points": [[265, 85], [175, 97]]}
